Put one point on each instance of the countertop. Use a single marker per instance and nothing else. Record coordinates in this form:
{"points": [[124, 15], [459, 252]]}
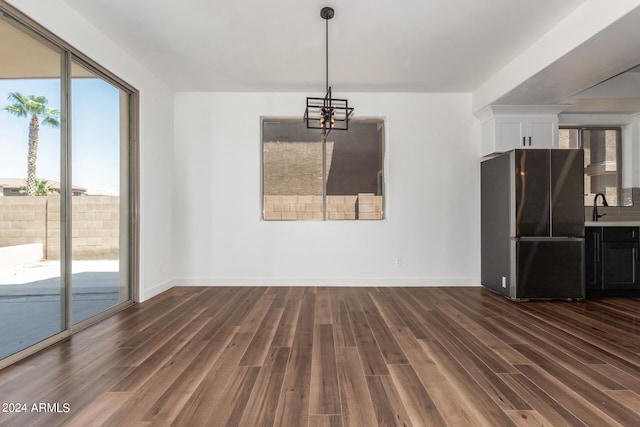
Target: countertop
{"points": [[612, 223]]}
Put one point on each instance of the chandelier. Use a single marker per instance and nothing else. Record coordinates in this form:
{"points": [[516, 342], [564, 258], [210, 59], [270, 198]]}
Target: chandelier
{"points": [[327, 113]]}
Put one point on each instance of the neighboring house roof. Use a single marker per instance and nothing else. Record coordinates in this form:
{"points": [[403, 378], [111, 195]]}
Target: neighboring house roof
{"points": [[9, 184]]}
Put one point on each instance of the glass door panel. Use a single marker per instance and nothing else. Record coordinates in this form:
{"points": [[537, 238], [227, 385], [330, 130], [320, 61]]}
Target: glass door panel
{"points": [[32, 292], [99, 170]]}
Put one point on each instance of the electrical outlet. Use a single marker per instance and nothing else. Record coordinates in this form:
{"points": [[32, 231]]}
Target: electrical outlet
{"points": [[398, 262], [504, 282]]}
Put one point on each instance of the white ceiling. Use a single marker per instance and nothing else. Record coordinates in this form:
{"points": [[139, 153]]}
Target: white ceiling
{"points": [[374, 45], [619, 94]]}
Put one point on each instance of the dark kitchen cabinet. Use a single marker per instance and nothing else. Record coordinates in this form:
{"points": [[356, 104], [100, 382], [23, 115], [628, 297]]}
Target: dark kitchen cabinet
{"points": [[612, 264], [593, 258]]}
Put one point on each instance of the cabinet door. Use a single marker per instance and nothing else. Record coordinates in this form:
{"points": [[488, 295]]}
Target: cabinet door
{"points": [[620, 265], [593, 258], [507, 127], [510, 132], [543, 131]]}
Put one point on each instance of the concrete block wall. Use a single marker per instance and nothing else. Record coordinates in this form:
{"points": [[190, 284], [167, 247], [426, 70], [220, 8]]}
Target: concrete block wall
{"points": [[24, 219], [292, 207], [362, 206], [294, 167], [369, 206], [95, 227], [342, 207], [36, 219]]}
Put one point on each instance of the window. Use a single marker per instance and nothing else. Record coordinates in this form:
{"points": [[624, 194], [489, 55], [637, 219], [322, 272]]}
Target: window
{"points": [[602, 172], [306, 178]]}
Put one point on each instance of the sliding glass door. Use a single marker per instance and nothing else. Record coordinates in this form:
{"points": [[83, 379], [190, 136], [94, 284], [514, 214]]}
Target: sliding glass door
{"points": [[32, 292], [99, 169], [66, 215]]}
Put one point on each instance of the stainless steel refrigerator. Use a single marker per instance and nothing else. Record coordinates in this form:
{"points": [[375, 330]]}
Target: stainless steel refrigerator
{"points": [[532, 224]]}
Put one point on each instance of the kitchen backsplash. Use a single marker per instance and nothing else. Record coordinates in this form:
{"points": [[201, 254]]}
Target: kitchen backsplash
{"points": [[618, 213]]}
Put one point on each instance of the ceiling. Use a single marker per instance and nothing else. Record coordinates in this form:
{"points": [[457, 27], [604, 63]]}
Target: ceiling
{"points": [[27, 56], [374, 45], [600, 75], [619, 94]]}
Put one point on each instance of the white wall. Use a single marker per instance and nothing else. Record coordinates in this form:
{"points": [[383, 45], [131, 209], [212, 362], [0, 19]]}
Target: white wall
{"points": [[156, 130], [193, 233], [432, 222]]}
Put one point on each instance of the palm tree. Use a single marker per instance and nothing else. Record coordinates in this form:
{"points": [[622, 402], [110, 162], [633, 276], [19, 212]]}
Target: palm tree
{"points": [[36, 108], [43, 188]]}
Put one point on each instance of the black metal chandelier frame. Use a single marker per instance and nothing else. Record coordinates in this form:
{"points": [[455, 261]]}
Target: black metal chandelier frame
{"points": [[327, 113]]}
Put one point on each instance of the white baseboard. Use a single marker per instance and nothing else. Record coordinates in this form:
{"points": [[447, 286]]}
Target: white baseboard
{"points": [[309, 281], [148, 293], [328, 281]]}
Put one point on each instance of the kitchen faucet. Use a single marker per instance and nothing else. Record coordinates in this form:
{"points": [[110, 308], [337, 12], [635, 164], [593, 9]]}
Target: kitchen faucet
{"points": [[595, 206]]}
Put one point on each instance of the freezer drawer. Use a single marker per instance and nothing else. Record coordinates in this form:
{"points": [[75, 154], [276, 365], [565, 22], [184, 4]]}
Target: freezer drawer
{"points": [[550, 269]]}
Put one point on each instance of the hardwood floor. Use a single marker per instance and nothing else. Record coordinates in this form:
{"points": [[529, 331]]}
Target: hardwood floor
{"points": [[338, 357]]}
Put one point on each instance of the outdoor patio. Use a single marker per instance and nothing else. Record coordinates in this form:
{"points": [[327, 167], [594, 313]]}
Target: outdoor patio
{"points": [[30, 296]]}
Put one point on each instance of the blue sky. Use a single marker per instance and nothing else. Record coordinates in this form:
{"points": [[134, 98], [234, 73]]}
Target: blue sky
{"points": [[95, 134]]}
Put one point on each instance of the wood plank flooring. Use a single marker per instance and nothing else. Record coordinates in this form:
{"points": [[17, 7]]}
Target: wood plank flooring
{"points": [[222, 356]]}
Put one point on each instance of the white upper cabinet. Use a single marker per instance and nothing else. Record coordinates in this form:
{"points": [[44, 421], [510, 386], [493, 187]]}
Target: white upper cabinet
{"points": [[507, 127]]}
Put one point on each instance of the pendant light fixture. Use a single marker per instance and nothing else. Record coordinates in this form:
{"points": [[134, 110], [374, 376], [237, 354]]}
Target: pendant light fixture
{"points": [[327, 113]]}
